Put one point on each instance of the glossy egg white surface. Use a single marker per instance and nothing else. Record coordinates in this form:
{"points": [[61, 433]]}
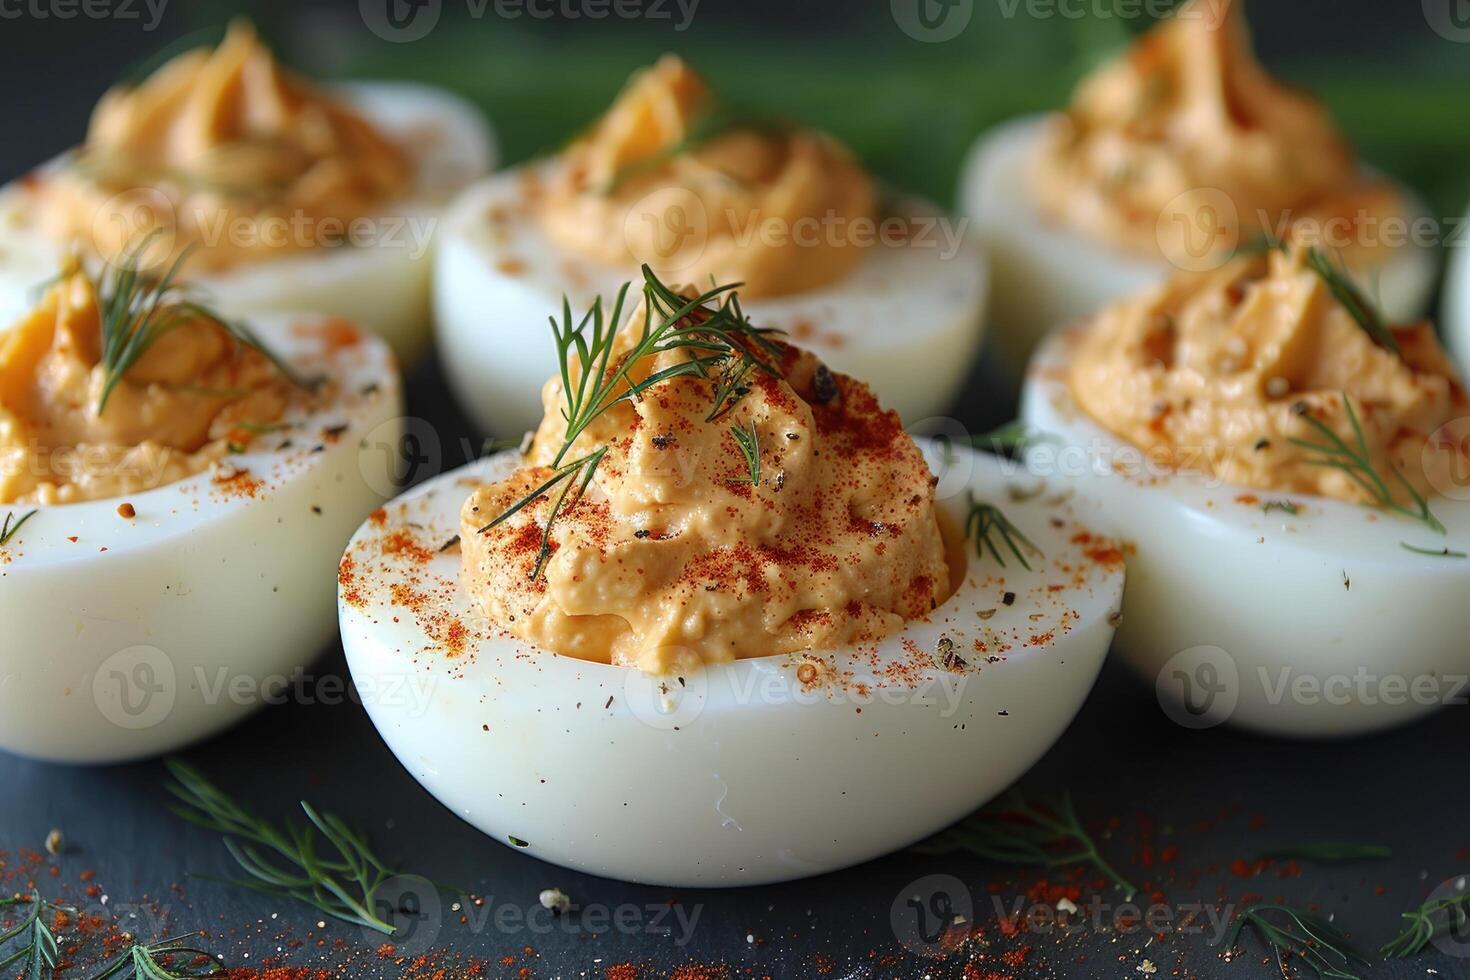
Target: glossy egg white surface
{"points": [[1048, 276], [381, 283], [132, 637], [908, 320], [1319, 623], [1454, 319], [754, 771]]}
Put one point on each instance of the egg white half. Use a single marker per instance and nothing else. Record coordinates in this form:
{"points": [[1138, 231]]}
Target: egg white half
{"points": [[1307, 624], [908, 320], [735, 774], [1455, 306], [131, 637], [1048, 275], [382, 284]]}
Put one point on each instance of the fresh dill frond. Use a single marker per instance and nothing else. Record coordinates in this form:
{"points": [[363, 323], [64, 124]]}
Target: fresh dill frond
{"points": [[1432, 552], [284, 861], [748, 439], [1011, 438], [1329, 851], [1427, 923], [11, 526], [1047, 834], [706, 127], [137, 309], [1311, 939], [985, 520], [168, 959], [1356, 462], [1364, 311], [36, 956], [1285, 506], [722, 347]]}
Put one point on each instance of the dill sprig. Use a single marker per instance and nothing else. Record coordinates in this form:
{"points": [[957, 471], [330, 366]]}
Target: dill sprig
{"points": [[1015, 831], [722, 346], [1358, 465], [748, 439], [1329, 851], [1285, 506], [984, 520], [137, 309], [36, 957], [708, 126], [1352, 299], [1011, 438], [1317, 943], [9, 529], [1427, 923], [156, 961], [285, 861], [1432, 552]]}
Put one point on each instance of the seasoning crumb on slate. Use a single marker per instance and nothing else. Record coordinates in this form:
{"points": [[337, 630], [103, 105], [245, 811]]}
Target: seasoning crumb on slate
{"points": [[555, 900]]}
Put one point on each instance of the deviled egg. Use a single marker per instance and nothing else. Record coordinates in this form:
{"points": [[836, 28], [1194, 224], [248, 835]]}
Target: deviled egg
{"points": [[1288, 472], [175, 490], [289, 197], [709, 627], [1169, 158], [671, 179]]}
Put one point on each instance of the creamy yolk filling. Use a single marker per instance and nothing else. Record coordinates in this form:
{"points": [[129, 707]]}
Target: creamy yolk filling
{"points": [[672, 557], [659, 181], [1188, 114], [1213, 372], [175, 412], [222, 150]]}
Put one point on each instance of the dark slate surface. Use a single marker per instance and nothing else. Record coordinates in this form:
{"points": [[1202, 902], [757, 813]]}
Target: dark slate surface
{"points": [[1213, 797]]}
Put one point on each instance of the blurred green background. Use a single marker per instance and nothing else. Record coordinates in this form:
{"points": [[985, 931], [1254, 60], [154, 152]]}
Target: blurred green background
{"points": [[1396, 74]]}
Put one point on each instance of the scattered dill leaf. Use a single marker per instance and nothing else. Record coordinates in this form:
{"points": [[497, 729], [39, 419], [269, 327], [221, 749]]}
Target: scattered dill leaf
{"points": [[985, 519], [168, 959], [1311, 939], [748, 439], [1329, 851], [1285, 506], [708, 126], [284, 861], [1011, 829], [36, 956], [1427, 923], [1363, 311], [1432, 552], [9, 529]]}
